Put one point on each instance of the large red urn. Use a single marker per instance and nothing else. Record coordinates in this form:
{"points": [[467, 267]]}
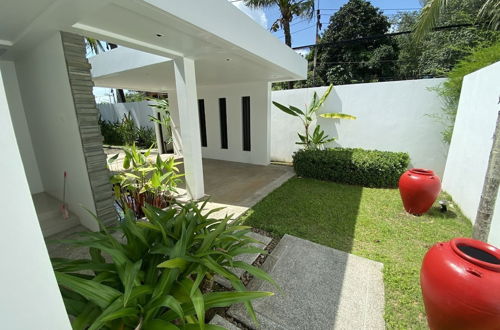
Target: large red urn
{"points": [[419, 189], [460, 282]]}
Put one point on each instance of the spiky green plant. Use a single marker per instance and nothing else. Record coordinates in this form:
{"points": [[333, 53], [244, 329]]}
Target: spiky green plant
{"points": [[144, 181], [308, 116], [154, 274]]}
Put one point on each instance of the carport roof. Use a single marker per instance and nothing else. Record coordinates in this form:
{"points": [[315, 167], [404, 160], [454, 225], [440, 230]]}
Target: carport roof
{"points": [[208, 31]]}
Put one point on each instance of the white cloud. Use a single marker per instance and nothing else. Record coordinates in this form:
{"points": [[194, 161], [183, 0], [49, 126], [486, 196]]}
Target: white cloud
{"points": [[303, 51], [257, 15]]}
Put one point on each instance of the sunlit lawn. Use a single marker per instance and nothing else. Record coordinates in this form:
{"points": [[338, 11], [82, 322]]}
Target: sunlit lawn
{"points": [[367, 222]]}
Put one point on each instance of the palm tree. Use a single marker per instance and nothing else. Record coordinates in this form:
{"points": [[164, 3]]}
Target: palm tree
{"points": [[489, 11], [288, 9], [432, 10]]}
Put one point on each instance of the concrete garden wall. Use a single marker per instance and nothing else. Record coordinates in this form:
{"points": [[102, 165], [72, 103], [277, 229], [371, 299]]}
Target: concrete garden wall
{"points": [[392, 116], [140, 112], [471, 143]]}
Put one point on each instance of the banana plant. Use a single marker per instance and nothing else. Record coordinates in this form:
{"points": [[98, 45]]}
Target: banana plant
{"points": [[157, 273], [308, 116]]}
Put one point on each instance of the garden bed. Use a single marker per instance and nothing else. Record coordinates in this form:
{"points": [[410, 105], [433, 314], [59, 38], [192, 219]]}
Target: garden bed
{"points": [[367, 222]]}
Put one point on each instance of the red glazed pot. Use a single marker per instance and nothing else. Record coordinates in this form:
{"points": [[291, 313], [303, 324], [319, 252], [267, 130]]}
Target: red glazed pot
{"points": [[419, 189], [460, 282]]}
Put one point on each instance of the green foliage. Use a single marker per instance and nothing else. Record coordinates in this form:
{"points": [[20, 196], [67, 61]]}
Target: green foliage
{"points": [[135, 96], [450, 90], [318, 139], [128, 129], [350, 62], [156, 273], [438, 52], [144, 181], [162, 107], [146, 137], [126, 132], [111, 133], [369, 168]]}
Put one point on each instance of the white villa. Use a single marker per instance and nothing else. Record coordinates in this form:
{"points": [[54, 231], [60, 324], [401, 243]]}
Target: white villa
{"points": [[49, 122]]}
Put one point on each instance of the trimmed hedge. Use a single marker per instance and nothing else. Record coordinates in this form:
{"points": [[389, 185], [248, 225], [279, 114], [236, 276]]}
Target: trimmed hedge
{"points": [[369, 168]]}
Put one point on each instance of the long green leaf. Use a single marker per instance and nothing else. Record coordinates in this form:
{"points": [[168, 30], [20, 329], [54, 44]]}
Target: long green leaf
{"points": [[101, 295], [285, 109], [129, 278], [257, 272], [335, 115]]}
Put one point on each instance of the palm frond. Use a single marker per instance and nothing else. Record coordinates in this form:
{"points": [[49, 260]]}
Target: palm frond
{"points": [[490, 12], [428, 17]]}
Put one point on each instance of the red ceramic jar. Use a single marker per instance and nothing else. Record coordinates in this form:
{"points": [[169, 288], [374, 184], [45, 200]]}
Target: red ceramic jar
{"points": [[419, 189], [460, 282]]}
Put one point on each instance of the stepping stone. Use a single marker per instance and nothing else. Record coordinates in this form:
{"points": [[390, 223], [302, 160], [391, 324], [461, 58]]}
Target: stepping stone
{"points": [[222, 322], [248, 258], [322, 288]]}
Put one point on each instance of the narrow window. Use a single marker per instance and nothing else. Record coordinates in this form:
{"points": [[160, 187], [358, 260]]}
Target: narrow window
{"points": [[223, 123], [203, 122], [246, 122]]}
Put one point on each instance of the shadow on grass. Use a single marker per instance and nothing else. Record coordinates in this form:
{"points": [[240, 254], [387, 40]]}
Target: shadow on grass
{"points": [[320, 214]]}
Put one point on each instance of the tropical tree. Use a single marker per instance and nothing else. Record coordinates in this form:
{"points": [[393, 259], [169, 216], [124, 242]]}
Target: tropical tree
{"points": [[318, 138], [366, 60], [429, 17], [288, 10]]}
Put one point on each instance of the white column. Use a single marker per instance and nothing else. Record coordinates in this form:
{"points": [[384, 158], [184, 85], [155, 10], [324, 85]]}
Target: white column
{"points": [[30, 298], [187, 105]]}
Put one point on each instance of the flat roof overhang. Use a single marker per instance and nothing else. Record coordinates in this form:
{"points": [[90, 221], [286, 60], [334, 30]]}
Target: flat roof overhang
{"points": [[208, 31]]}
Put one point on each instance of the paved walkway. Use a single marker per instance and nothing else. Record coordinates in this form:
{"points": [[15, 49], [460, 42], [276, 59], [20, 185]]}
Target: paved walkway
{"points": [[323, 288]]}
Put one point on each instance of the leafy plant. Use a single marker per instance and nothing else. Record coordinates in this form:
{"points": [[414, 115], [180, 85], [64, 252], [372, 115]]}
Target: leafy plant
{"points": [[166, 120], [369, 168], [308, 116], [450, 90], [156, 274], [128, 130], [144, 181], [146, 137], [111, 132]]}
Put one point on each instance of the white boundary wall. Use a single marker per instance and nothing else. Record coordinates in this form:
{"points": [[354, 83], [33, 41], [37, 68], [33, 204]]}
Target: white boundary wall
{"points": [[471, 143], [140, 112], [392, 116]]}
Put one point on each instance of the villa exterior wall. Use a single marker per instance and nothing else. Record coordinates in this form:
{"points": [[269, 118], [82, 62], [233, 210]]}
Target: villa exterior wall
{"points": [[52, 121], [259, 122], [30, 296], [23, 135], [139, 111], [471, 144], [391, 116]]}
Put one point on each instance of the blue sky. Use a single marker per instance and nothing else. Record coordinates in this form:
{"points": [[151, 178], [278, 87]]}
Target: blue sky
{"points": [[303, 32]]}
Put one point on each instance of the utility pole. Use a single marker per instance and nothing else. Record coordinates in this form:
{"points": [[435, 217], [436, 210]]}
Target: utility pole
{"points": [[315, 50]]}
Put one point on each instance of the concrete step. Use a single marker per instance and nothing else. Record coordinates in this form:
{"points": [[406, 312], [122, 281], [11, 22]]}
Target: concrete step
{"points": [[50, 217], [321, 288]]}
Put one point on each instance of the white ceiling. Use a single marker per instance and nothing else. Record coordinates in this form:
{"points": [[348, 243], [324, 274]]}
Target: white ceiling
{"points": [[208, 31]]}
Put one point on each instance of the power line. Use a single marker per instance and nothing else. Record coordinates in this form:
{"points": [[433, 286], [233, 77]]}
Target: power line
{"points": [[379, 36]]}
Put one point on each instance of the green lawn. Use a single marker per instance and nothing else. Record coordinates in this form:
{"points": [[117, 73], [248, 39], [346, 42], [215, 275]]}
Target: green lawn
{"points": [[366, 222]]}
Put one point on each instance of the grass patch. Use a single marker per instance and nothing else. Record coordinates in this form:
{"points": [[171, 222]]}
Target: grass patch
{"points": [[367, 222]]}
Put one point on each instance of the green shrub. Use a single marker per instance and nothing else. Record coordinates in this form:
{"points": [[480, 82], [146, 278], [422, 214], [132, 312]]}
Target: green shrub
{"points": [[146, 137], [369, 168], [158, 273], [111, 133]]}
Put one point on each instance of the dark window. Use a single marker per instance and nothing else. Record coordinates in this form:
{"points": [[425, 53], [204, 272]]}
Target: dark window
{"points": [[203, 122], [245, 103], [223, 123]]}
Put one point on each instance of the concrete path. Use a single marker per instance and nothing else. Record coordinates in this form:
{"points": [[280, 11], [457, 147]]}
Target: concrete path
{"points": [[323, 288]]}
